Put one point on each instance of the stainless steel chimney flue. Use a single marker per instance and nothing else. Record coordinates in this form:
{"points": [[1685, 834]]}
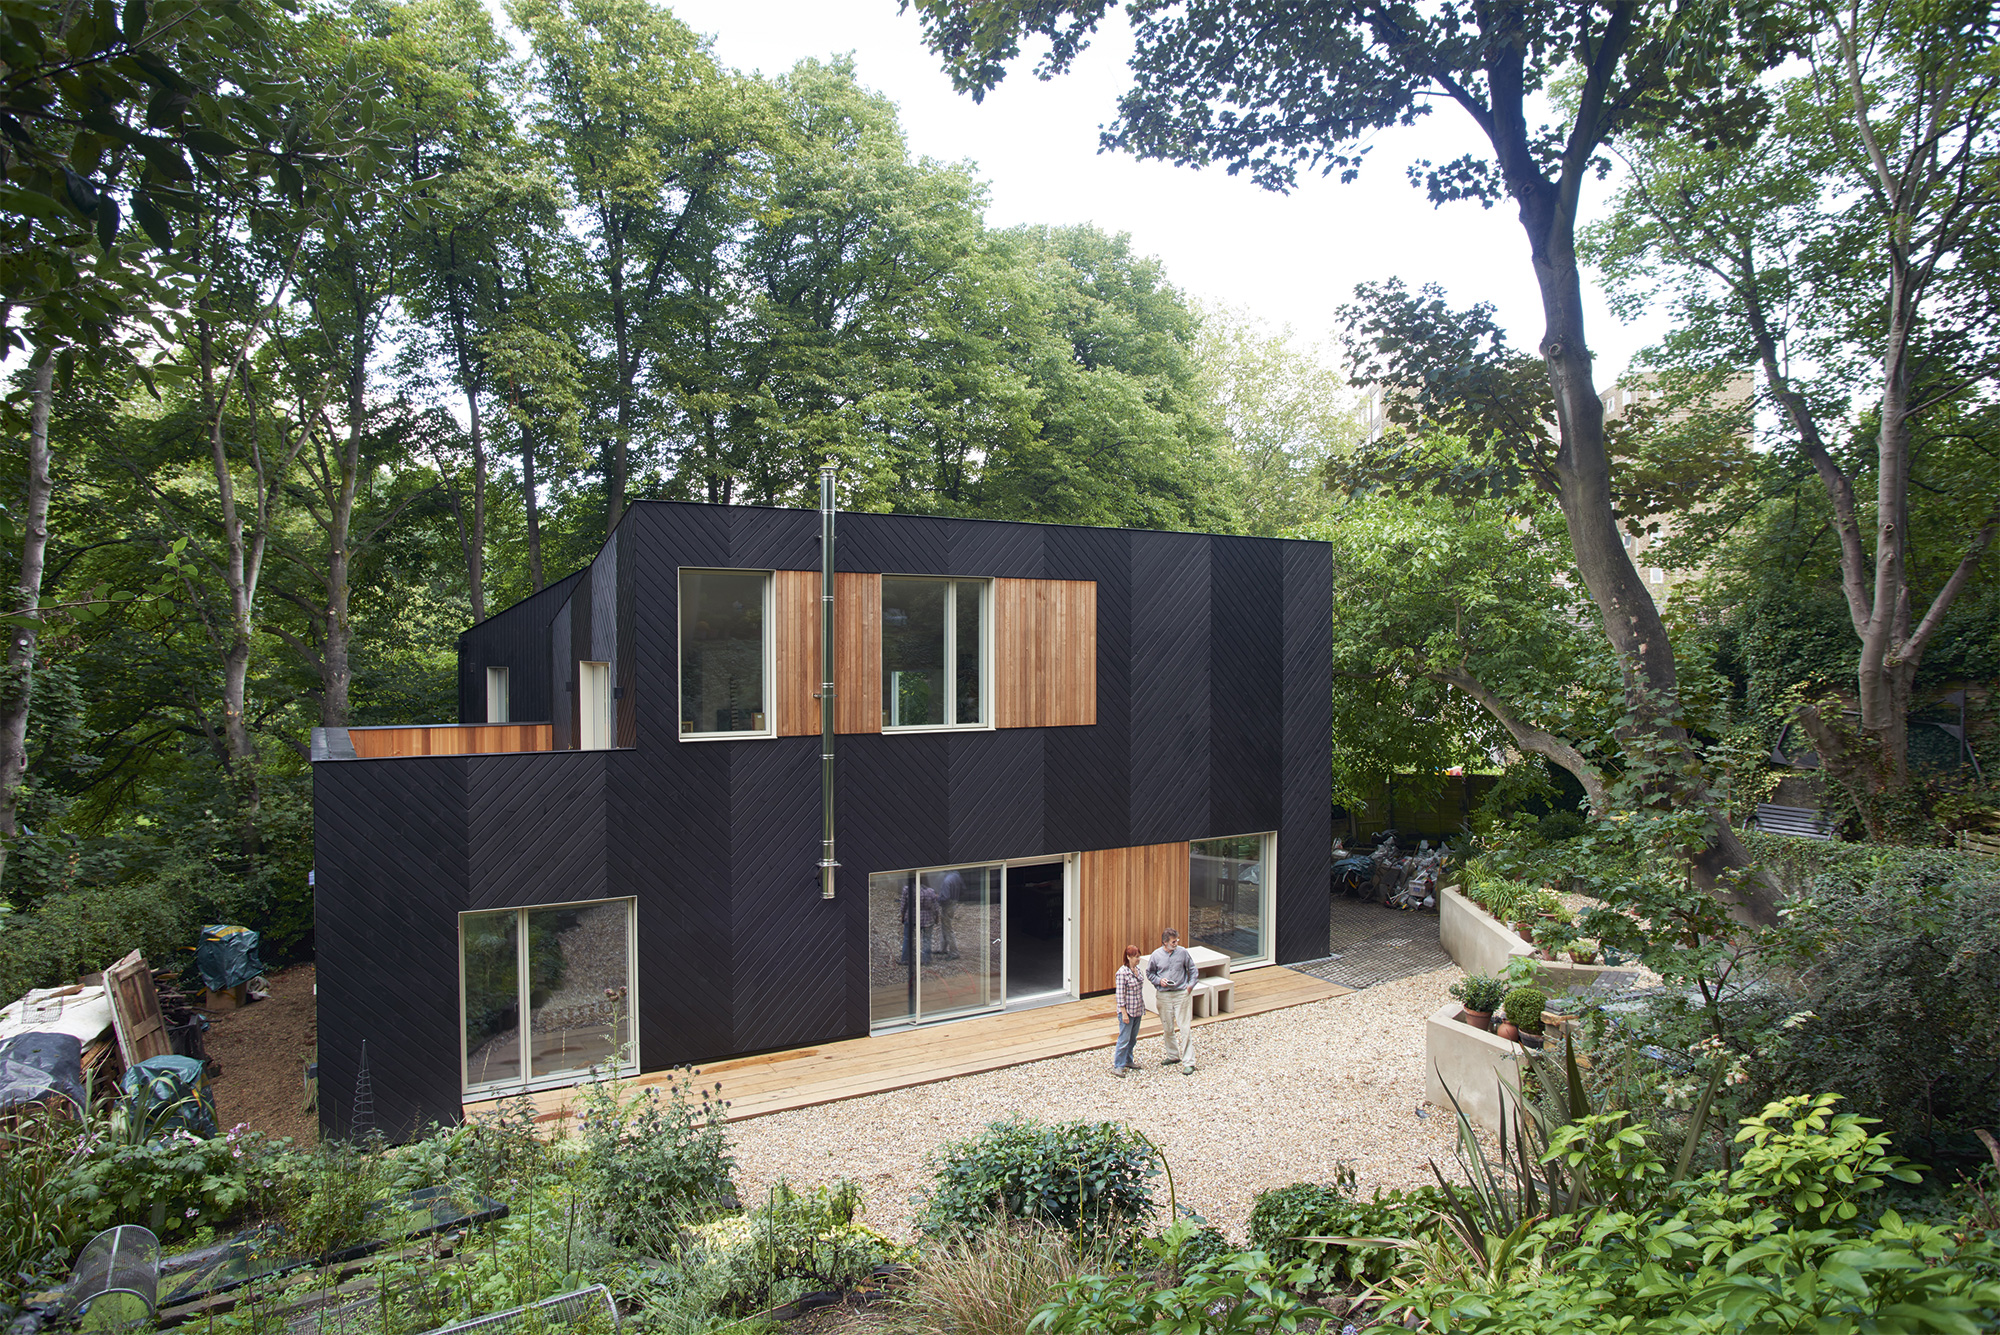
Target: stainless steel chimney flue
{"points": [[827, 865]]}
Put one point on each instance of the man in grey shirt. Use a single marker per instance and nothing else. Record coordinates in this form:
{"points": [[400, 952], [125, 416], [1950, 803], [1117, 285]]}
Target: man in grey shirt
{"points": [[1171, 971]]}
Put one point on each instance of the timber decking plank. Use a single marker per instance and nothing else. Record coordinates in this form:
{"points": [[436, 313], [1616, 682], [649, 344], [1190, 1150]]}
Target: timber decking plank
{"points": [[773, 1082]]}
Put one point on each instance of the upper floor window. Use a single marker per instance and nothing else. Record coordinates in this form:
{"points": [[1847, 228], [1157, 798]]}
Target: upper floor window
{"points": [[499, 708], [725, 653], [934, 652]]}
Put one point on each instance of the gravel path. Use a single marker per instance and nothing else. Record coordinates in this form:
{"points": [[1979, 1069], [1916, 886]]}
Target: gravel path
{"points": [[1276, 1098]]}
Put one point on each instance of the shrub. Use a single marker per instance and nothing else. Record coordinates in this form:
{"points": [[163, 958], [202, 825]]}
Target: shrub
{"points": [[1769, 1247], [1480, 992], [1524, 1008], [992, 1282], [795, 1242], [1091, 1178], [651, 1163], [329, 1195], [1284, 1220], [1238, 1294], [173, 1185]]}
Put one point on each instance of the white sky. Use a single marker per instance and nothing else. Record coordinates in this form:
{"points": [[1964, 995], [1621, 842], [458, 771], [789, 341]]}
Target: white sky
{"points": [[1288, 259]]}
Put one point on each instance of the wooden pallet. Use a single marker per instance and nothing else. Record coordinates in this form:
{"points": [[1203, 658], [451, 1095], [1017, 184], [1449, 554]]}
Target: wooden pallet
{"points": [[774, 1082]]}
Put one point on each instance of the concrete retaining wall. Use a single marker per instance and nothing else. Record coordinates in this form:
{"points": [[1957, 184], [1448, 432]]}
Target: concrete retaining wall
{"points": [[1480, 943], [1471, 1064]]}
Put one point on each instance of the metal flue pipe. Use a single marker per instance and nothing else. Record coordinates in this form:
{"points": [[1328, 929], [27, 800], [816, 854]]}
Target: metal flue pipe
{"points": [[827, 865]]}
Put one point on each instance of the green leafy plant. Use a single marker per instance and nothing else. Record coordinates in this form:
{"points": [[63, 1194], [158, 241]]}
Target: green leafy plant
{"points": [[1480, 992], [1524, 1008], [1331, 1226], [650, 1161], [1238, 1294], [794, 1242], [1089, 1178], [173, 1185], [1774, 1246], [1812, 1162]]}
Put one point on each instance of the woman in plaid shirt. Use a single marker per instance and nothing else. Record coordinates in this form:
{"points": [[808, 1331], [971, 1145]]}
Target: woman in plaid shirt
{"points": [[1131, 1009]]}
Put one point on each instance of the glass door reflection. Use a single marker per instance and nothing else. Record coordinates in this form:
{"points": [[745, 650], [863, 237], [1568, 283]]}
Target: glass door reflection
{"points": [[937, 944]]}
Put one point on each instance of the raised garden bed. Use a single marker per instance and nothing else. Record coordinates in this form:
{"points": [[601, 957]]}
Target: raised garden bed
{"points": [[1480, 943]]}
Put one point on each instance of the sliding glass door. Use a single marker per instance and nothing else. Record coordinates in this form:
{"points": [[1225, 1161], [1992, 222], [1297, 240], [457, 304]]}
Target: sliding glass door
{"points": [[568, 970], [936, 944]]}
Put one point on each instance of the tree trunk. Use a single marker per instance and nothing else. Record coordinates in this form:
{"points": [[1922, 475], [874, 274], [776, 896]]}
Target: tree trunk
{"points": [[1626, 609], [21, 643], [475, 540], [534, 510], [241, 765], [337, 674]]}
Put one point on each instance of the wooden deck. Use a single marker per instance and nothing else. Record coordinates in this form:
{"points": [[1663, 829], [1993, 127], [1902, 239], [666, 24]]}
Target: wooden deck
{"points": [[801, 1077]]}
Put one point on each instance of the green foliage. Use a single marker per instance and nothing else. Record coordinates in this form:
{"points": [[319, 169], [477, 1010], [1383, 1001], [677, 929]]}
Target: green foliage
{"points": [[1238, 1294], [1308, 1221], [1879, 985], [1480, 992], [1772, 1246], [793, 1242], [991, 1282], [174, 1185], [329, 1194], [1090, 1178], [1524, 1008], [648, 1163], [1813, 1162], [37, 1230]]}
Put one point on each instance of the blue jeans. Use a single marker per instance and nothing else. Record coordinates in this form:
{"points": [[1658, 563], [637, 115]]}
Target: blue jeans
{"points": [[1128, 1034]]}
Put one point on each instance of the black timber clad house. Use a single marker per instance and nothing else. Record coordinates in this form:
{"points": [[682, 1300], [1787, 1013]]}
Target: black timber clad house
{"points": [[1207, 673]]}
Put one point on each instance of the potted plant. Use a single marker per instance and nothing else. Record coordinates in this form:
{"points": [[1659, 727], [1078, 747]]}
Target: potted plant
{"points": [[1480, 996], [1497, 896], [1524, 1006], [1583, 950]]}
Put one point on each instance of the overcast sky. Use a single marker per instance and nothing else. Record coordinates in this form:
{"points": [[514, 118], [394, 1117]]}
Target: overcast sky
{"points": [[1289, 259]]}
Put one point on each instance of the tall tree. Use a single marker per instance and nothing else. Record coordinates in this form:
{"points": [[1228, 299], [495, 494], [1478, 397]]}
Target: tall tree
{"points": [[1271, 87], [1843, 253], [655, 144]]}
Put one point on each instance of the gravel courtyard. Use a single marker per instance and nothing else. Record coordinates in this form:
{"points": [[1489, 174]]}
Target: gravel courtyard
{"points": [[1276, 1098]]}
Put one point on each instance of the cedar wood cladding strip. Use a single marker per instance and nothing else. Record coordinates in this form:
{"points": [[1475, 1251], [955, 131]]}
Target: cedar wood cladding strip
{"points": [[857, 643], [465, 739], [1044, 659], [1125, 896], [1045, 653]]}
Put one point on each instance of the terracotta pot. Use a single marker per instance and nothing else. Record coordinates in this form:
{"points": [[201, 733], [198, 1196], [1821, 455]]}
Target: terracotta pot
{"points": [[1525, 930], [1477, 1019], [1583, 956], [1508, 1031]]}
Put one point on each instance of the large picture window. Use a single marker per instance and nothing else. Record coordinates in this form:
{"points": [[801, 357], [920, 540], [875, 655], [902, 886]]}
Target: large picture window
{"points": [[725, 653], [933, 652], [568, 970], [1229, 902]]}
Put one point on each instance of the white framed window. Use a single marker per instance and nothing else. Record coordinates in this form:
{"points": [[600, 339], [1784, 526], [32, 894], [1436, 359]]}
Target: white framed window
{"points": [[1655, 575], [936, 646], [725, 654], [1230, 900], [546, 993], [499, 707], [593, 715]]}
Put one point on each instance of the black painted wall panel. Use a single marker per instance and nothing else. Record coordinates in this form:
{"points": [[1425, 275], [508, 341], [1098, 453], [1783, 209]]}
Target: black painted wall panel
{"points": [[518, 640], [1213, 718], [1246, 679], [1087, 785], [1304, 856], [391, 867], [1169, 702]]}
